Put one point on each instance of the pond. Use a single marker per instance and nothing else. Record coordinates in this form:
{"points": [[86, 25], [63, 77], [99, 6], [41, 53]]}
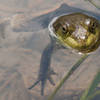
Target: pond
{"points": [[24, 35]]}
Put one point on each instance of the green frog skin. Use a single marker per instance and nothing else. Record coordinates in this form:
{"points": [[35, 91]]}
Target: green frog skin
{"points": [[77, 31]]}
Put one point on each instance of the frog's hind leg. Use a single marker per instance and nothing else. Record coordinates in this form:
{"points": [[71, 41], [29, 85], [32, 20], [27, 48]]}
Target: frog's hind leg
{"points": [[43, 81], [45, 78], [34, 84], [42, 86], [51, 80], [51, 72]]}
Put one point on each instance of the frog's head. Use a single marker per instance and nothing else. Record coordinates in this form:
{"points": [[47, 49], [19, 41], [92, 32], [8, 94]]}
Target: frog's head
{"points": [[78, 31]]}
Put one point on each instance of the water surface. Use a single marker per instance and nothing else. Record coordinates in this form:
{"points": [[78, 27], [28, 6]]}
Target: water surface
{"points": [[23, 37]]}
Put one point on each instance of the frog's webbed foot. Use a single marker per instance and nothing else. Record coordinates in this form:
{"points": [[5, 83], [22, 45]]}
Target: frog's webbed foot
{"points": [[51, 72], [43, 78]]}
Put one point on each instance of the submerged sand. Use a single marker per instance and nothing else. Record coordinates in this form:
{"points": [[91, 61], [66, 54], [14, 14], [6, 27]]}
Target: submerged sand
{"points": [[23, 37]]}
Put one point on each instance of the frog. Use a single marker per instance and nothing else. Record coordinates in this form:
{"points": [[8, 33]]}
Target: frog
{"points": [[78, 32]]}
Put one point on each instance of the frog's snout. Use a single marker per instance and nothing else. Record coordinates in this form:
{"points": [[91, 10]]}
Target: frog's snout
{"points": [[80, 32]]}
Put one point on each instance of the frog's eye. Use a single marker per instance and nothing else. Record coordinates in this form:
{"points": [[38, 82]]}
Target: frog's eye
{"points": [[64, 29], [92, 26]]}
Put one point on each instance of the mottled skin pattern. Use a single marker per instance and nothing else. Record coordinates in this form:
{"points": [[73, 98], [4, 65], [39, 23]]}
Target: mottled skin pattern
{"points": [[78, 31]]}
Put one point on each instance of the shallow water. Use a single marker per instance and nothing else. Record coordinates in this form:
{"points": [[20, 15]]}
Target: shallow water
{"points": [[23, 37]]}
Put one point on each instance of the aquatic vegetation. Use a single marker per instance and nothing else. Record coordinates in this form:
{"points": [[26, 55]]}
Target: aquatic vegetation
{"points": [[93, 3], [89, 92], [67, 76]]}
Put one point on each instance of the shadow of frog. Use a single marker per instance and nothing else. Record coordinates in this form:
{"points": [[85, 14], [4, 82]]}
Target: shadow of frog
{"points": [[45, 71]]}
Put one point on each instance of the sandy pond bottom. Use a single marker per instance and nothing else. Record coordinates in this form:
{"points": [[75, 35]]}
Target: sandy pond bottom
{"points": [[23, 37]]}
